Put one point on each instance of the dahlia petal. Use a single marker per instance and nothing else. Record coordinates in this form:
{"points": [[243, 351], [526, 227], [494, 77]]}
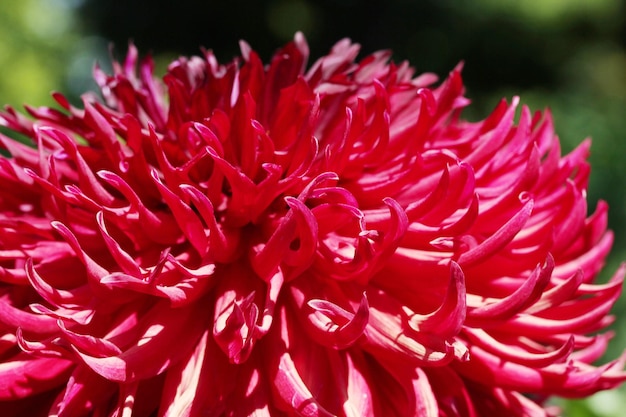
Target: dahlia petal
{"points": [[307, 235], [411, 384], [128, 66], [611, 290], [243, 191], [375, 136], [105, 135], [461, 351], [49, 186], [160, 229], [20, 152], [49, 348], [126, 400], [526, 295], [236, 314], [366, 135], [85, 393], [223, 245], [87, 179], [22, 375], [81, 316], [12, 276], [275, 285], [331, 195], [416, 133], [530, 171], [453, 191], [451, 392], [304, 157], [416, 210], [588, 261], [418, 233], [185, 291], [189, 391], [33, 323], [94, 271], [78, 297], [296, 112], [355, 257], [512, 353], [159, 346], [298, 225], [499, 239], [459, 193], [574, 221], [592, 351], [122, 258], [398, 225], [228, 334], [519, 145], [293, 391], [271, 186], [559, 379], [324, 373], [26, 225], [16, 121], [339, 328], [184, 216], [505, 402], [387, 333], [450, 94], [153, 100], [182, 382], [256, 391], [448, 319], [425, 397], [61, 99], [95, 346], [496, 135], [82, 198], [341, 56], [372, 66], [556, 320], [597, 222], [359, 400], [284, 69], [614, 284], [202, 271], [558, 294]]}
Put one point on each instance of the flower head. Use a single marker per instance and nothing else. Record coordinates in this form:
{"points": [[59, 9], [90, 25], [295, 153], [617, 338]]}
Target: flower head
{"points": [[287, 239]]}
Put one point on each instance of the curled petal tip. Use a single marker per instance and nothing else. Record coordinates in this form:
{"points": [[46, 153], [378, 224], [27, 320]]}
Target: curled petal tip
{"points": [[336, 327]]}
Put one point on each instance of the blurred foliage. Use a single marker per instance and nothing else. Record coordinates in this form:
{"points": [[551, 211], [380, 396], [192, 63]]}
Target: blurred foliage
{"points": [[35, 43], [569, 55]]}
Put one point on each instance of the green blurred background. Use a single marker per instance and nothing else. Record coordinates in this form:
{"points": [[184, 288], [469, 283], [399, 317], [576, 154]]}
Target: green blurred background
{"points": [[569, 55]]}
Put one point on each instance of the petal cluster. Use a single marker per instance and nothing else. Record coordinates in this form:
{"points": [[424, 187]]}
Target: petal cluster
{"points": [[289, 239]]}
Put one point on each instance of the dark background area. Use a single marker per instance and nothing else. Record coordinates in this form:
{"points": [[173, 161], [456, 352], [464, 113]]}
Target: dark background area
{"points": [[504, 47], [522, 44], [568, 55]]}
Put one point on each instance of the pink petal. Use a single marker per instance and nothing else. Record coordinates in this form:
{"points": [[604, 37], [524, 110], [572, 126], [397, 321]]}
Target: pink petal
{"points": [[160, 345], [448, 319], [337, 327], [22, 375]]}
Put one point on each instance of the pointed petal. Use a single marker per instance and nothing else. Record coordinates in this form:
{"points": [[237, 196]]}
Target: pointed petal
{"points": [[448, 319], [160, 345], [337, 327], [22, 375]]}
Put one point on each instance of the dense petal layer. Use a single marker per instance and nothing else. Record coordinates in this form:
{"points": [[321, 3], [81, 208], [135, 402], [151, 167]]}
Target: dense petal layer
{"points": [[326, 240]]}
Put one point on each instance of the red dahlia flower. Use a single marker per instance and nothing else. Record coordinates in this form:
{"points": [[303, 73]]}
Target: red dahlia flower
{"points": [[277, 241]]}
